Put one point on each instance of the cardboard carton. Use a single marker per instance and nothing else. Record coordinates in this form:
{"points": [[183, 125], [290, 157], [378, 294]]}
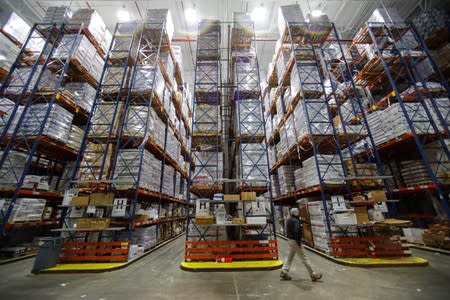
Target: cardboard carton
{"points": [[248, 196], [101, 199], [80, 201], [231, 197]]}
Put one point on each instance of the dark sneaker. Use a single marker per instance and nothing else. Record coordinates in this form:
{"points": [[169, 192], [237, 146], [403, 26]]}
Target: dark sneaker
{"points": [[285, 276], [316, 276]]}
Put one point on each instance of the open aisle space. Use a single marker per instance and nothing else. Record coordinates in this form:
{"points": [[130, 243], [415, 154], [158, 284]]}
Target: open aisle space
{"points": [[157, 276]]}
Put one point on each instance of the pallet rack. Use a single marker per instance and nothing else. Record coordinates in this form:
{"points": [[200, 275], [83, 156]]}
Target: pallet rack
{"points": [[395, 50], [227, 87], [321, 125], [36, 79], [135, 97]]}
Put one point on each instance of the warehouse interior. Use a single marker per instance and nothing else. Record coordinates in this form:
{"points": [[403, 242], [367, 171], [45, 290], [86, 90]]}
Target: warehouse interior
{"points": [[224, 149]]}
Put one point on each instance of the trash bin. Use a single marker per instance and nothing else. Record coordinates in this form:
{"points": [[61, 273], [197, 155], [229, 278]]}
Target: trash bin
{"points": [[48, 253]]}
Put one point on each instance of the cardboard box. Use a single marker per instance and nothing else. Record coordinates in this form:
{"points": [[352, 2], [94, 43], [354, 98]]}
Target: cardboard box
{"points": [[347, 218], [256, 220], [204, 220], [362, 216], [376, 195], [238, 220], [83, 223], [141, 218], [248, 196], [101, 199], [100, 223], [80, 201], [359, 198], [231, 197]]}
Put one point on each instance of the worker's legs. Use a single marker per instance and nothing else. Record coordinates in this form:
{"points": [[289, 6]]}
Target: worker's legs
{"points": [[304, 259], [292, 249]]}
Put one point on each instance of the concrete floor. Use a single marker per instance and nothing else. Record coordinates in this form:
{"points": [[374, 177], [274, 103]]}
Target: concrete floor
{"points": [[158, 276]]}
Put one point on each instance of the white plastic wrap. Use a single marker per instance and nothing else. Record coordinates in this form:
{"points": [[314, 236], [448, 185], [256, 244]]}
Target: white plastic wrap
{"points": [[75, 137], [57, 126], [159, 17], [8, 52], [83, 94], [102, 119], [58, 15], [92, 20], [307, 76], [148, 78], [127, 169], [208, 167], [330, 169], [90, 166], [207, 118], [250, 118], [21, 75], [254, 164], [289, 13], [11, 169], [319, 120], [286, 179]]}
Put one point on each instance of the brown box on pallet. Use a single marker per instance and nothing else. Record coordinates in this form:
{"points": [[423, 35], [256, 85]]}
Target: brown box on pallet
{"points": [[100, 223], [362, 216], [101, 199], [204, 220], [376, 195], [79, 201], [238, 220], [141, 218], [248, 196], [231, 197], [359, 198], [83, 223]]}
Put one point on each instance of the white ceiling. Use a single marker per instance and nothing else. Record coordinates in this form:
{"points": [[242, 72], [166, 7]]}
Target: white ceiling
{"points": [[348, 15]]}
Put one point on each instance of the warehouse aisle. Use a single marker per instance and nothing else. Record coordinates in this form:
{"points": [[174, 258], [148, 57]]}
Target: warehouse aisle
{"points": [[158, 276]]}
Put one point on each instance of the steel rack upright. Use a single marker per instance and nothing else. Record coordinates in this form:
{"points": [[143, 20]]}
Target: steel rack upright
{"points": [[34, 93], [395, 51]]}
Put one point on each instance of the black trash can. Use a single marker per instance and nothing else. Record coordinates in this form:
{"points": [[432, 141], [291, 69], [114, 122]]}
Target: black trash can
{"points": [[48, 253]]}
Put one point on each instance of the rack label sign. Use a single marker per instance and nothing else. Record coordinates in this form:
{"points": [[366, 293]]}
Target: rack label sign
{"points": [[119, 208]]}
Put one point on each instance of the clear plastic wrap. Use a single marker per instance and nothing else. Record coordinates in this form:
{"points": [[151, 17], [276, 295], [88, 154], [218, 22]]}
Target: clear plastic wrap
{"points": [[8, 52], [146, 80], [75, 137], [208, 167], [319, 119], [136, 121], [158, 17], [167, 62], [282, 61], [83, 94], [26, 209], [158, 130], [250, 118], [289, 13], [83, 51], [286, 179], [247, 79], [102, 119], [11, 169], [58, 15], [306, 76], [207, 118], [57, 126], [128, 166], [7, 107], [21, 75], [330, 169], [91, 162], [167, 186], [92, 20], [19, 29], [385, 15], [254, 164]]}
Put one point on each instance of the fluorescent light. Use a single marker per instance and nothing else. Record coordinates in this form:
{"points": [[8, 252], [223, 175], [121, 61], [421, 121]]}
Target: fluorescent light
{"points": [[123, 16], [258, 14], [316, 13], [191, 15]]}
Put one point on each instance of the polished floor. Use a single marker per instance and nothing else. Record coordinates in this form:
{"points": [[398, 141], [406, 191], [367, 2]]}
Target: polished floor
{"points": [[158, 276]]}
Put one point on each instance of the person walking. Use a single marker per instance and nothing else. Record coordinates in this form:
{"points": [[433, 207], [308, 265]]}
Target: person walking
{"points": [[294, 234]]}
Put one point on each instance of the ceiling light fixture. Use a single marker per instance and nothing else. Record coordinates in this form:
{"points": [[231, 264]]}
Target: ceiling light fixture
{"points": [[191, 15], [123, 15], [258, 14], [316, 13]]}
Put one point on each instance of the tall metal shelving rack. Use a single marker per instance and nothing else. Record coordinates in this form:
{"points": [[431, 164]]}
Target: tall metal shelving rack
{"points": [[422, 102], [228, 122], [29, 84], [121, 135], [328, 125]]}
